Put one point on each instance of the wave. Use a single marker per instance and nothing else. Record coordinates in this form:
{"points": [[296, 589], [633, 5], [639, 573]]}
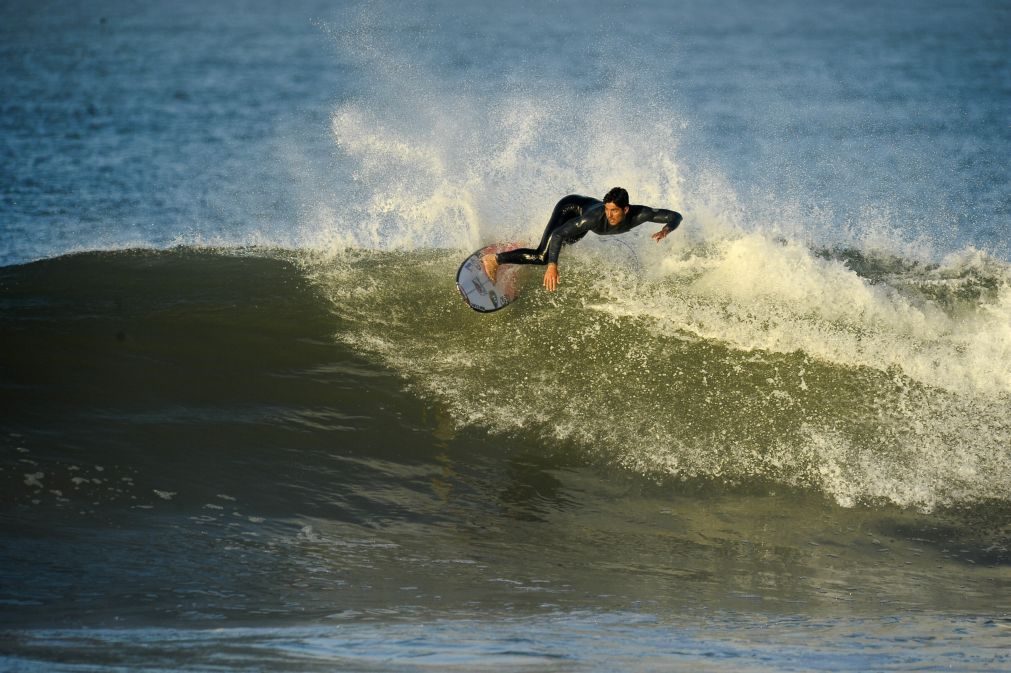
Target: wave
{"points": [[747, 359], [817, 340]]}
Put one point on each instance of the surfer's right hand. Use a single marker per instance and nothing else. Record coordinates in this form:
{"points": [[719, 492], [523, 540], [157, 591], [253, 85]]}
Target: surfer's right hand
{"points": [[551, 278]]}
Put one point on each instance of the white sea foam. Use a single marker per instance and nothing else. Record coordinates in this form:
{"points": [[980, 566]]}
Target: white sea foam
{"points": [[754, 292]]}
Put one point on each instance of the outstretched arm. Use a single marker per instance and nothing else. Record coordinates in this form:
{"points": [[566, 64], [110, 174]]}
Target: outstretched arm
{"points": [[669, 218]]}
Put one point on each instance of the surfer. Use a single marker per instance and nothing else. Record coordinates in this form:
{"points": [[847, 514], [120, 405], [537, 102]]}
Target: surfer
{"points": [[573, 217]]}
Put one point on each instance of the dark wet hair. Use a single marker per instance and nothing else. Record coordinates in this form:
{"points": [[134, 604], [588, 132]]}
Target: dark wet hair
{"points": [[618, 197]]}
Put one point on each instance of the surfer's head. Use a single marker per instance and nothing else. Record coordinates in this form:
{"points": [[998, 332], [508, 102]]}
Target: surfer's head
{"points": [[615, 206]]}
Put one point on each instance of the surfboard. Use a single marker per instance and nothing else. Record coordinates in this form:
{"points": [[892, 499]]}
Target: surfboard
{"points": [[476, 287]]}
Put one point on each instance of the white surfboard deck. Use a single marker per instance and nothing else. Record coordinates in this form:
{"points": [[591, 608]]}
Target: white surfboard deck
{"points": [[476, 287]]}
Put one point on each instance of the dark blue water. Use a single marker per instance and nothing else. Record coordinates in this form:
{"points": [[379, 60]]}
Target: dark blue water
{"points": [[249, 425]]}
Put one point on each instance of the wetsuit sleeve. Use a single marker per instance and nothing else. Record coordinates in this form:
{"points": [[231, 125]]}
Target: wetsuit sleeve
{"points": [[572, 230], [670, 218]]}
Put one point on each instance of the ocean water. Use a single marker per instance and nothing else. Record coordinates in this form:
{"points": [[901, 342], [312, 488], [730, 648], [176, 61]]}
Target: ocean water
{"points": [[248, 423]]}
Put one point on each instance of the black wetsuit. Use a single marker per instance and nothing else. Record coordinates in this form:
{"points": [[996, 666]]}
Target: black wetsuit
{"points": [[573, 217]]}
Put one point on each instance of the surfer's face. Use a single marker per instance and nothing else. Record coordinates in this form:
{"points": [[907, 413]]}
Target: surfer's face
{"points": [[614, 214]]}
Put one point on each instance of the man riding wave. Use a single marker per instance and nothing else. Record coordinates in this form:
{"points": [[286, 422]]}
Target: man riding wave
{"points": [[573, 217]]}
